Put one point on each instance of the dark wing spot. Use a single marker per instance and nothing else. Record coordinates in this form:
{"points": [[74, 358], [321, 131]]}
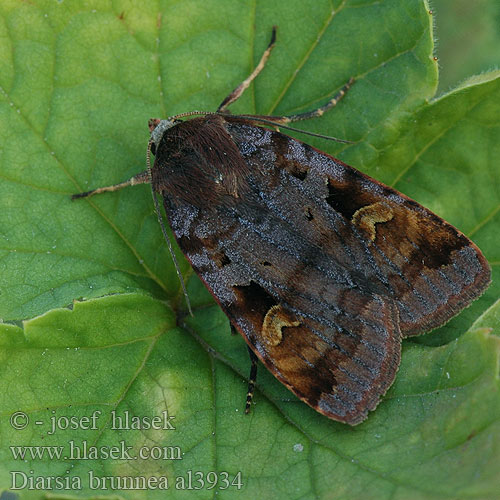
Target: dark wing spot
{"points": [[297, 170], [256, 298]]}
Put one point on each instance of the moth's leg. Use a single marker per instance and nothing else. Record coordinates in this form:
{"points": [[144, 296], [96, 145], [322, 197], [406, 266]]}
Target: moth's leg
{"points": [[251, 379], [142, 178], [236, 93], [283, 120], [253, 373]]}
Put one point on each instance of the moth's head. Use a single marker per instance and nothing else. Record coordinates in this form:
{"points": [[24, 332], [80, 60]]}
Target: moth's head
{"points": [[157, 128]]}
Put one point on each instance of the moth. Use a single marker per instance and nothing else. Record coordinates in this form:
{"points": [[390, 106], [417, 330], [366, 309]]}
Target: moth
{"points": [[320, 268]]}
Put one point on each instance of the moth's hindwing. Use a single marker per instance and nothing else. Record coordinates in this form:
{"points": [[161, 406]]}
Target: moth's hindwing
{"points": [[321, 268]]}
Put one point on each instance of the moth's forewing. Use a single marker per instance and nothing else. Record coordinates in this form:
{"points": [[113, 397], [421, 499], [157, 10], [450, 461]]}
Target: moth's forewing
{"points": [[321, 268], [426, 265]]}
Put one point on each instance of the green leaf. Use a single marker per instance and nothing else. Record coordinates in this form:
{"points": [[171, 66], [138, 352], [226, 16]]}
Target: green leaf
{"points": [[469, 36], [78, 82]]}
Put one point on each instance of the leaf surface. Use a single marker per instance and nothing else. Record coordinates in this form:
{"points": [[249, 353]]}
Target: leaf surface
{"points": [[78, 82]]}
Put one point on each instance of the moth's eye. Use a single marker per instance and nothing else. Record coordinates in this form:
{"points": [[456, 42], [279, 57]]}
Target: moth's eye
{"points": [[153, 148]]}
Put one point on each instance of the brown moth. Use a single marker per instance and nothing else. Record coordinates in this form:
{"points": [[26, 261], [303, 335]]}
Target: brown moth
{"points": [[320, 268]]}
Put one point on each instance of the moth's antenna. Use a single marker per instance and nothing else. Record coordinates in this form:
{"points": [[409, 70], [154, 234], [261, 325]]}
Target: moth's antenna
{"points": [[276, 123], [163, 229], [192, 113], [268, 120]]}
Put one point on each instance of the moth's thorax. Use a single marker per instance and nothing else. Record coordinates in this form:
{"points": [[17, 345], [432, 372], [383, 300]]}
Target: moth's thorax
{"points": [[197, 162]]}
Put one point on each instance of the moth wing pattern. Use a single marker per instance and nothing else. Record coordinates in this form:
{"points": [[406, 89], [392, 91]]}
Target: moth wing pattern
{"points": [[303, 255], [430, 268]]}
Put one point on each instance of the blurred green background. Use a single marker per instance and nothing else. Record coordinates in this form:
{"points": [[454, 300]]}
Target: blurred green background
{"points": [[467, 34]]}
